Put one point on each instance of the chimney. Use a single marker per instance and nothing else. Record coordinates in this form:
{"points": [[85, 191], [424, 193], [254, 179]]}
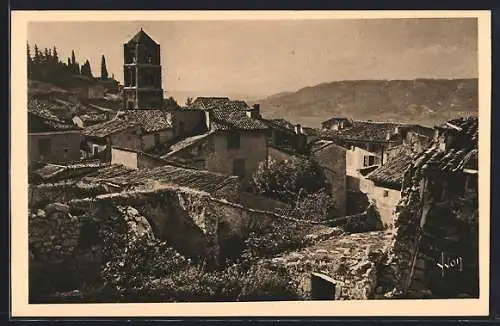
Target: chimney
{"points": [[396, 130], [298, 129], [388, 136]]}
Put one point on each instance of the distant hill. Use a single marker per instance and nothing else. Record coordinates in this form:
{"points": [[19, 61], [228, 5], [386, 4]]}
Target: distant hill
{"points": [[423, 101]]}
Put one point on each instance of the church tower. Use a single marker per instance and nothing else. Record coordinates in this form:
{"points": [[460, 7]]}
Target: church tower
{"points": [[142, 73]]}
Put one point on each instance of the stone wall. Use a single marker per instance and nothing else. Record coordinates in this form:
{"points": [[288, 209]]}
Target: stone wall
{"points": [[43, 194], [64, 146], [66, 248]]}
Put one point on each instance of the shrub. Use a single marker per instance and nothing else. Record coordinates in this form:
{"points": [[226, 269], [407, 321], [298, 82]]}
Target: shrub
{"points": [[285, 180]]}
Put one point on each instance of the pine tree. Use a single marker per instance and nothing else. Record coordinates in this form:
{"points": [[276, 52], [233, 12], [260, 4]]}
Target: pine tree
{"points": [[104, 71], [46, 55]]}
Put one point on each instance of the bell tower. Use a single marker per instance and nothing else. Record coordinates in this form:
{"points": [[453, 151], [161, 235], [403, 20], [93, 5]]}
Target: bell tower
{"points": [[142, 73]]}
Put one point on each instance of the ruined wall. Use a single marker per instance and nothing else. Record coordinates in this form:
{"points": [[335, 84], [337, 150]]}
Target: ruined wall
{"points": [[354, 262], [194, 223], [43, 194], [66, 247]]}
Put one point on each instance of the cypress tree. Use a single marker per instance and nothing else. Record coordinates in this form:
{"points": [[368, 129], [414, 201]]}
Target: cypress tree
{"points": [[104, 70], [36, 58], [28, 52], [55, 55]]}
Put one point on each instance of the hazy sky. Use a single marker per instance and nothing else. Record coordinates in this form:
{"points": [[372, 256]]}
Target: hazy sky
{"points": [[266, 57]]}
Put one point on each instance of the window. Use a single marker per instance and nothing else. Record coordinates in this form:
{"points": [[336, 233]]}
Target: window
{"points": [[239, 167], [95, 150], [371, 160], [233, 140], [44, 146], [386, 193]]}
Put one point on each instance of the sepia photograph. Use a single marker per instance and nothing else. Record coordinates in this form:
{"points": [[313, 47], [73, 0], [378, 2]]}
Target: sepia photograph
{"points": [[252, 159]]}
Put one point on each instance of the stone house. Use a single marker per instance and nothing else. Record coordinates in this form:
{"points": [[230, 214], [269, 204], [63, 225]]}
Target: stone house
{"points": [[232, 143], [383, 185], [50, 138], [138, 130], [332, 158], [370, 144], [438, 214], [287, 136]]}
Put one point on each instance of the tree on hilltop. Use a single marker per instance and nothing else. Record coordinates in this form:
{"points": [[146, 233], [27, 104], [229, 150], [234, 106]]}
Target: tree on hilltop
{"points": [[104, 70]]}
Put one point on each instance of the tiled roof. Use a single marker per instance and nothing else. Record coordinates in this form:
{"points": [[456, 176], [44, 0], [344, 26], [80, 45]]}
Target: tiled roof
{"points": [[148, 120], [43, 110], [208, 102], [421, 130], [365, 131], [467, 125], [334, 119], [230, 115], [108, 128], [184, 143], [451, 160], [109, 171], [320, 144], [172, 175], [280, 123], [141, 37], [54, 172], [151, 120], [391, 173]]}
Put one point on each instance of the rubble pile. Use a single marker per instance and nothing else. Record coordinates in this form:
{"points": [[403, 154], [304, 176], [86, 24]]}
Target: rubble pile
{"points": [[352, 260]]}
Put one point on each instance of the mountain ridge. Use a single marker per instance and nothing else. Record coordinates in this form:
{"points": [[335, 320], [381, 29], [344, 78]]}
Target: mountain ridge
{"points": [[424, 101]]}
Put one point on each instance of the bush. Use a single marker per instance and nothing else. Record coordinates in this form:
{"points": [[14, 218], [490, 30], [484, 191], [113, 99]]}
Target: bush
{"points": [[285, 180]]}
